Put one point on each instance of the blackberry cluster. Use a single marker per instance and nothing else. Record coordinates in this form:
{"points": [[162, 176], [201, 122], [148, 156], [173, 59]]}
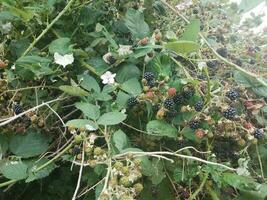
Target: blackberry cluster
{"points": [[168, 103], [222, 52], [232, 94], [149, 76], [132, 102], [188, 93], [194, 124], [258, 133], [229, 113], [178, 98], [199, 105], [17, 109]]}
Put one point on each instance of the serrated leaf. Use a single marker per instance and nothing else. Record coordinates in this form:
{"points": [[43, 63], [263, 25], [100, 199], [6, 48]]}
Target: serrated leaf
{"points": [[182, 47], [3, 144], [158, 171], [120, 140], [89, 110], [89, 83], [132, 86], [111, 118], [161, 128], [122, 99], [126, 72], [240, 182], [74, 91], [134, 21], [61, 46], [29, 145], [14, 170]]}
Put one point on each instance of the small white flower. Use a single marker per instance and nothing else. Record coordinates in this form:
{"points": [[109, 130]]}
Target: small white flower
{"points": [[13, 67], [125, 50], [201, 65], [92, 138], [63, 60], [108, 78]]}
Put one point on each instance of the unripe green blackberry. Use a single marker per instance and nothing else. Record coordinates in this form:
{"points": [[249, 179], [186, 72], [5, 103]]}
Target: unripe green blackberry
{"points": [[125, 170], [125, 181], [118, 165], [230, 113], [126, 197], [98, 151], [78, 138], [168, 103], [138, 187], [104, 197]]}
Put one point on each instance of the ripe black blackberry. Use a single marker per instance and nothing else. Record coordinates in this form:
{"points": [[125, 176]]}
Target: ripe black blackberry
{"points": [[194, 124], [178, 98], [132, 102], [199, 105], [168, 103], [188, 92], [17, 109], [222, 52], [76, 150], [232, 94], [229, 113], [149, 76], [238, 62], [151, 83], [258, 133], [195, 11], [212, 64]]}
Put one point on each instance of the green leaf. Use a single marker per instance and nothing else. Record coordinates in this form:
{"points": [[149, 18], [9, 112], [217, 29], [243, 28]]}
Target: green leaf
{"points": [[3, 144], [14, 170], [158, 171], [182, 47], [36, 64], [33, 175], [120, 140], [240, 182], [102, 96], [29, 145], [132, 86], [111, 118], [89, 110], [134, 21], [82, 123], [89, 83], [189, 134], [122, 99], [161, 128], [247, 5], [61, 46], [191, 31], [74, 91], [126, 72]]}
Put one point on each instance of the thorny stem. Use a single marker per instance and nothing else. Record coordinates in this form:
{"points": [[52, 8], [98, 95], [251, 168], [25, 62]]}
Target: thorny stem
{"points": [[49, 26], [258, 78]]}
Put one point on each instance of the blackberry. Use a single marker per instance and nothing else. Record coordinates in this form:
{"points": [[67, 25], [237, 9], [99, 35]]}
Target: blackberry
{"points": [[17, 109], [168, 103], [111, 59], [258, 133], [149, 76], [238, 62], [212, 64], [188, 92], [222, 52], [232, 94], [178, 98], [151, 83], [194, 124], [76, 150], [230, 113], [132, 102], [195, 11], [199, 105]]}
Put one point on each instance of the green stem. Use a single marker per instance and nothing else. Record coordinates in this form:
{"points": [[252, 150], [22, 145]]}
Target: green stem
{"points": [[204, 179], [7, 183], [259, 158], [212, 194], [48, 27]]}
